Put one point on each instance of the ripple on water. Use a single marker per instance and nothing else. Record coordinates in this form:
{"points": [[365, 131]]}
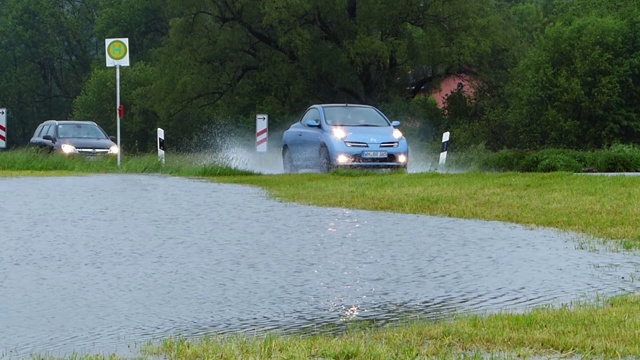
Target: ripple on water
{"points": [[104, 263]]}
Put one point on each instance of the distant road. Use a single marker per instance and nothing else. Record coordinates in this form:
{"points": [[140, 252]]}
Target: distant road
{"points": [[614, 174]]}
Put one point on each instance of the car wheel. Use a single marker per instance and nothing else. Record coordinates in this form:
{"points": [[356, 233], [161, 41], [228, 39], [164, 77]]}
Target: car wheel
{"points": [[287, 162], [325, 160]]}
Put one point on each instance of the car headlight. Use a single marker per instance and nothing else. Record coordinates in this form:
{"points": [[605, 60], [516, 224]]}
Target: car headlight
{"points": [[114, 149], [339, 133], [397, 134], [343, 159], [68, 149]]}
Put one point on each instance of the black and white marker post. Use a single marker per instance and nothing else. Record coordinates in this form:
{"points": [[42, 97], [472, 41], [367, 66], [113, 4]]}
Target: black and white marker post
{"points": [[445, 148], [160, 144]]}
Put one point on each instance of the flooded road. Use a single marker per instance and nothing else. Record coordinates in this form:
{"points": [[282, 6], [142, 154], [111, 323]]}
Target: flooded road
{"points": [[103, 264]]}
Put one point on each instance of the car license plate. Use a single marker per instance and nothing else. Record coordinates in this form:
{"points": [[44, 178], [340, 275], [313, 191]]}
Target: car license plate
{"points": [[374, 154]]}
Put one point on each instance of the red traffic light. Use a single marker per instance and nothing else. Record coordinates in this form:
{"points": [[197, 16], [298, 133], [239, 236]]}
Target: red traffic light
{"points": [[121, 111]]}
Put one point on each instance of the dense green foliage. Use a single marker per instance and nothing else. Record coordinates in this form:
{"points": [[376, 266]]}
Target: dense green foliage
{"points": [[618, 158], [549, 73]]}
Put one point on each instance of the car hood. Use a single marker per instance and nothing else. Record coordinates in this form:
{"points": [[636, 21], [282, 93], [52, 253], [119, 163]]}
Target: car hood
{"points": [[369, 134], [88, 143]]}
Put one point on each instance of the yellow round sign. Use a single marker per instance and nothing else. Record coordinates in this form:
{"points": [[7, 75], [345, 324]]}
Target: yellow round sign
{"points": [[117, 50]]}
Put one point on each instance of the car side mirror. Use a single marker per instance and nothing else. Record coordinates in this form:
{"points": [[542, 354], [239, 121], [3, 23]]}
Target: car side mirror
{"points": [[313, 123], [113, 138], [50, 138], [395, 124]]}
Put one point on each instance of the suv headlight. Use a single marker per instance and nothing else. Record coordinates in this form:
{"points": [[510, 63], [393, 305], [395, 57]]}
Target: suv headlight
{"points": [[68, 149], [114, 149]]}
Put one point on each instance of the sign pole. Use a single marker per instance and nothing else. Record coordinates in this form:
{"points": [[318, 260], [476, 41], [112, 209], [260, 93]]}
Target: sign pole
{"points": [[117, 55], [118, 110]]}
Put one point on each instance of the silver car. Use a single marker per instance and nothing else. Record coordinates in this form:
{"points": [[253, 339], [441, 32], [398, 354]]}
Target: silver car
{"points": [[74, 137]]}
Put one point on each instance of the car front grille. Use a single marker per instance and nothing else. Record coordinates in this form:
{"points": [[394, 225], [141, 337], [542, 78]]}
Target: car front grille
{"points": [[92, 151], [360, 159], [392, 144]]}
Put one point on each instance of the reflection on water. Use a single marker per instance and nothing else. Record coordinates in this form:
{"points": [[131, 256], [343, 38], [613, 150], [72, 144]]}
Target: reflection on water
{"points": [[102, 264]]}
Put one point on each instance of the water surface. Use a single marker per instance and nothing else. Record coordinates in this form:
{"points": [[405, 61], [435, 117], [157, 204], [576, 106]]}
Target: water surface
{"points": [[102, 264]]}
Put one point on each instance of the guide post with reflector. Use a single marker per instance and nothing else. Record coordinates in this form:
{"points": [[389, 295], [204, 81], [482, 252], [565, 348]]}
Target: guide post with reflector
{"points": [[3, 128], [262, 134], [445, 148], [160, 144]]}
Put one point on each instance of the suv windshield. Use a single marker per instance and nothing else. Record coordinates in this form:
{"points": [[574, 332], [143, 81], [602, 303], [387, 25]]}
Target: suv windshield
{"points": [[353, 116], [88, 131]]}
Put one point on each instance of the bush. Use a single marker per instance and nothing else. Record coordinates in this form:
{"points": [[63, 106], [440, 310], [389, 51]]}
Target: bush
{"points": [[559, 162], [503, 160], [619, 158], [549, 160], [470, 159]]}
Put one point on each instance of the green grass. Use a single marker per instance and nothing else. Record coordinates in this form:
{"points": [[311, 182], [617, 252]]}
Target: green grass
{"points": [[597, 206], [609, 329], [602, 329], [31, 162]]}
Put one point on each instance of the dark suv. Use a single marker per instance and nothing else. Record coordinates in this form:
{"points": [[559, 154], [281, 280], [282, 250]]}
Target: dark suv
{"points": [[73, 137]]}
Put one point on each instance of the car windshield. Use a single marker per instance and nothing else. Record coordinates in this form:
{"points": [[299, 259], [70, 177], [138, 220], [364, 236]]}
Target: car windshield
{"points": [[88, 131], [353, 116]]}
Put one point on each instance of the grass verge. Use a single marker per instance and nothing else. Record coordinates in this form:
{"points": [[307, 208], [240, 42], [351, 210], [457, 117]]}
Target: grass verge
{"points": [[604, 207], [609, 329]]}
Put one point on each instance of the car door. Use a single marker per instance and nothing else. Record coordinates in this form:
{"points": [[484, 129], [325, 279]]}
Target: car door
{"points": [[51, 131], [309, 136], [41, 131], [36, 139]]}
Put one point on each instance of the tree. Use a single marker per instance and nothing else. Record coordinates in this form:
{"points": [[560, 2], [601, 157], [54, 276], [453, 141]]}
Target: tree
{"points": [[228, 59], [48, 47], [578, 88], [97, 102]]}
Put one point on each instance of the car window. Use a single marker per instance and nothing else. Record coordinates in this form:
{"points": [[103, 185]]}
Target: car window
{"points": [[354, 116], [47, 130], [311, 114], [88, 131], [38, 130]]}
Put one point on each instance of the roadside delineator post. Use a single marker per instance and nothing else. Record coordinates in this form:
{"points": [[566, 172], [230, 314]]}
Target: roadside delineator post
{"points": [[262, 133], [445, 148], [3, 128], [160, 144]]}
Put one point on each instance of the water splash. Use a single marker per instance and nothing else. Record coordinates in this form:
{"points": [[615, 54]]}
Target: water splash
{"points": [[238, 150]]}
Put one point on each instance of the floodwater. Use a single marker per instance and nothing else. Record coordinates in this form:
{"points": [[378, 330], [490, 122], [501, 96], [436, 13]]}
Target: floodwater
{"points": [[106, 263]]}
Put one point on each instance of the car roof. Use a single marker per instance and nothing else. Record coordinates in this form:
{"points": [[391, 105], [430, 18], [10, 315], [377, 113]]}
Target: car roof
{"points": [[342, 105], [70, 122]]}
